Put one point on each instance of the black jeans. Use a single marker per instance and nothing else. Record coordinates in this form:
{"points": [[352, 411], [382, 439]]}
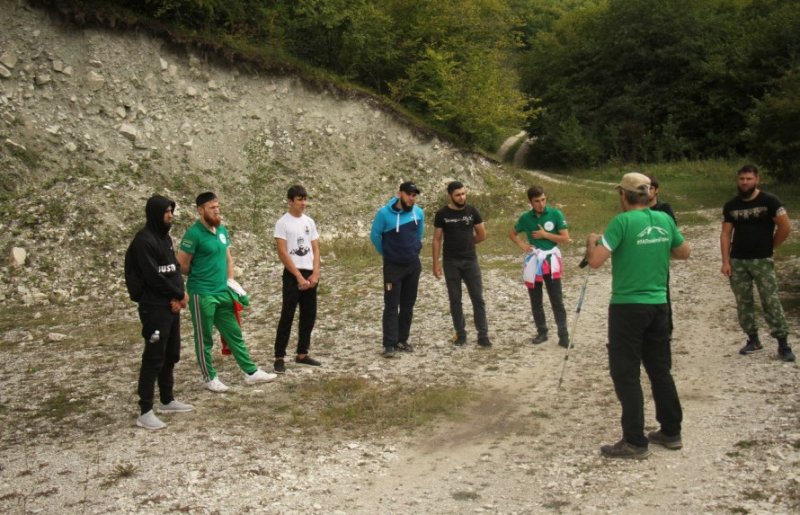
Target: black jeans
{"points": [[639, 334], [400, 284], [292, 297], [469, 271], [158, 358], [556, 302]]}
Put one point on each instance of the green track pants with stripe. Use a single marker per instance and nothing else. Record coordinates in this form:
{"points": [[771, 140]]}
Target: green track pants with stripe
{"points": [[209, 311]]}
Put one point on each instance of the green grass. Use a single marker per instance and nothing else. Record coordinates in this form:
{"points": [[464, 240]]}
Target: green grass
{"points": [[356, 404]]}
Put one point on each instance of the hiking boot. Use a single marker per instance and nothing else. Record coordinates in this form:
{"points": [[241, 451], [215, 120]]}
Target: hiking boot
{"points": [[623, 449], [484, 341], [563, 342], [670, 442], [279, 366], [540, 338], [308, 360], [175, 407], [459, 340], [751, 346], [149, 420], [259, 376], [405, 347], [388, 352], [785, 353], [216, 386]]}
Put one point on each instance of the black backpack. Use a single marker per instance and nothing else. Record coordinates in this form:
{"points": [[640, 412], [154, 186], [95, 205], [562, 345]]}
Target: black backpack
{"points": [[133, 276]]}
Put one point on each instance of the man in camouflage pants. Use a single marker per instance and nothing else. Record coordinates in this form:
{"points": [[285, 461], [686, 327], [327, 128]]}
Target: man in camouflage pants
{"points": [[754, 224]]}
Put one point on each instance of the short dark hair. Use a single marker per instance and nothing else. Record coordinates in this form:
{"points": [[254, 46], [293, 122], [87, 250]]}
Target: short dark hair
{"points": [[653, 181], [453, 186], [296, 191], [535, 191], [748, 169], [202, 198]]}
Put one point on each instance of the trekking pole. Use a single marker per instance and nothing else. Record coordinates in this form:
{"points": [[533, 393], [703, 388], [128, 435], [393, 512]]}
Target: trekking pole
{"points": [[582, 264]]}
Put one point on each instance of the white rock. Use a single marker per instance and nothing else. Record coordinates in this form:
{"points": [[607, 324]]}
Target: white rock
{"points": [[58, 66], [129, 131], [95, 80], [8, 59], [56, 337], [18, 255], [4, 72], [163, 64], [43, 78]]}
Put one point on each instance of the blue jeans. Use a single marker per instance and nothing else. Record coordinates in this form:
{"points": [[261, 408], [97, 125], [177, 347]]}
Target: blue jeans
{"points": [[469, 271], [400, 283], [638, 334]]}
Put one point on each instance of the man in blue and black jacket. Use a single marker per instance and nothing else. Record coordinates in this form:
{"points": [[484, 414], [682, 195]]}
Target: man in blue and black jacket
{"points": [[397, 233]]}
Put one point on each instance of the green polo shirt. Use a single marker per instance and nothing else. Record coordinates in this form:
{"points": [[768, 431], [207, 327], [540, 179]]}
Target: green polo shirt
{"points": [[551, 219], [209, 271], [640, 241]]}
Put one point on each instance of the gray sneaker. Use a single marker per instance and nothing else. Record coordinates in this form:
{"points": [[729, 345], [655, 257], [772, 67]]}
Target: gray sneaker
{"points": [[670, 442], [388, 352], [150, 421], [175, 406], [623, 449]]}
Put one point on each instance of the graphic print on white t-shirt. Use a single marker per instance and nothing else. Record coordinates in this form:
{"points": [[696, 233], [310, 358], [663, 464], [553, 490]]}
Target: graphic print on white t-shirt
{"points": [[298, 232]]}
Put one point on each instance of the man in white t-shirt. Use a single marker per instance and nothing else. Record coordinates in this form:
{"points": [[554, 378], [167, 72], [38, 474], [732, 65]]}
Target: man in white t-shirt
{"points": [[297, 242]]}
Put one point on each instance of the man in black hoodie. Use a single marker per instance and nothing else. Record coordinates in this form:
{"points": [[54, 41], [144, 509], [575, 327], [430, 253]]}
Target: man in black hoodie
{"points": [[154, 280]]}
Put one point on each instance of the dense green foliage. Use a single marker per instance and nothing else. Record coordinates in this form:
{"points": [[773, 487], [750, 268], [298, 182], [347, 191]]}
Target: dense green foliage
{"points": [[656, 80], [596, 80]]}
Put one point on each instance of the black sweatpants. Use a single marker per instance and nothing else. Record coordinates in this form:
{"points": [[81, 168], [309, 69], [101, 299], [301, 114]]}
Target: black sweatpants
{"points": [[158, 358], [293, 296], [400, 284]]}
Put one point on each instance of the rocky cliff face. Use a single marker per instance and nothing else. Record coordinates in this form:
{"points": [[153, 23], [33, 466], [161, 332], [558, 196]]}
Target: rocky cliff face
{"points": [[93, 121]]}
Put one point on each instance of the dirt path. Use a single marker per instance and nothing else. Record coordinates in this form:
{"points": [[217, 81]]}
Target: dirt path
{"points": [[528, 448]]}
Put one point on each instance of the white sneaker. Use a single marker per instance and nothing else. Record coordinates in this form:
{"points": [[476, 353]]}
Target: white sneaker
{"points": [[175, 406], [150, 421], [259, 376], [216, 386]]}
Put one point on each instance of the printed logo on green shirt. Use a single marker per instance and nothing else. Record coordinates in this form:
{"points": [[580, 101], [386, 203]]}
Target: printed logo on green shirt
{"points": [[651, 235], [223, 239]]}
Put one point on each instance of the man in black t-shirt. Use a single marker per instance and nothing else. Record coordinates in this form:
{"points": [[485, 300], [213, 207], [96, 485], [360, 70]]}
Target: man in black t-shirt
{"points": [[754, 224], [461, 227]]}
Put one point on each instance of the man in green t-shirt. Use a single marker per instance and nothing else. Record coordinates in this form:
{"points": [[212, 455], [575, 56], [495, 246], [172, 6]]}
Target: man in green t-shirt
{"points": [[205, 255], [545, 228], [640, 242]]}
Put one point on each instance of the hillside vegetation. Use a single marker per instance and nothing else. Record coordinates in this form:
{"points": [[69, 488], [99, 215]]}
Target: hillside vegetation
{"points": [[629, 80]]}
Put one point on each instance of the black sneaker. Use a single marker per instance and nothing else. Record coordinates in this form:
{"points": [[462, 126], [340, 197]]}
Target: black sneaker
{"points": [[308, 360], [388, 352], [279, 366], [785, 353], [563, 342], [405, 347], [459, 340], [540, 338], [670, 442], [750, 347], [623, 449], [484, 341]]}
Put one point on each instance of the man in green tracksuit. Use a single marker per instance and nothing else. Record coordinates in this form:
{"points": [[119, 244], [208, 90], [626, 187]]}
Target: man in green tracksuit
{"points": [[205, 256]]}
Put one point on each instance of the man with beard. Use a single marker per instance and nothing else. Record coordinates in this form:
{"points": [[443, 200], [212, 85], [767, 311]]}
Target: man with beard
{"points": [[397, 233], [155, 283], [461, 227], [545, 228], [755, 223], [205, 256]]}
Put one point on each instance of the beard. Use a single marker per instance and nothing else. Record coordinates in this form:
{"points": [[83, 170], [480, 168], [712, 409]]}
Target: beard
{"points": [[211, 220], [458, 204], [406, 207], [746, 194]]}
